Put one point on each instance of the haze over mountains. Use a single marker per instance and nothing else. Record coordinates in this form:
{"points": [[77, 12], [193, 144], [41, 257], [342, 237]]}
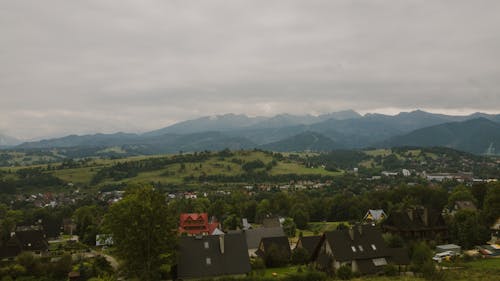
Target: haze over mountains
{"points": [[477, 133]]}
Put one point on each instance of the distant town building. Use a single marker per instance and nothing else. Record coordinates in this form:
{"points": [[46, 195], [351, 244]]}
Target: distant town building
{"points": [[406, 173]]}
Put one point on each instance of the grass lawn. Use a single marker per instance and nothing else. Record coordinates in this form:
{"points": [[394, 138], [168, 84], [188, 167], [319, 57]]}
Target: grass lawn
{"points": [[280, 271], [295, 168], [387, 278], [484, 264]]}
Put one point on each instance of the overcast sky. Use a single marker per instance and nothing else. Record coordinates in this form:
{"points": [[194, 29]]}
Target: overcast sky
{"points": [[106, 66]]}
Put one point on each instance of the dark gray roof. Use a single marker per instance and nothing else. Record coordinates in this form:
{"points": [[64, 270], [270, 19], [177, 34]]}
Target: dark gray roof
{"points": [[420, 219], [253, 236], [201, 257], [342, 244], [32, 240], [25, 240], [363, 244], [281, 242], [271, 222], [309, 243]]}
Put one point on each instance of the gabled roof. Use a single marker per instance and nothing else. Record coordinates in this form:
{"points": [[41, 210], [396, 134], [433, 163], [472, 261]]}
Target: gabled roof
{"points": [[196, 223], [253, 236], [375, 215], [281, 242], [25, 240], [194, 217], [366, 243], [362, 243], [208, 256], [31, 240], [309, 243], [415, 219]]}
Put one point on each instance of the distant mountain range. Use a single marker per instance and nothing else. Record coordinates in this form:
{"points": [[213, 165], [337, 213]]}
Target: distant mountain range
{"points": [[477, 133]]}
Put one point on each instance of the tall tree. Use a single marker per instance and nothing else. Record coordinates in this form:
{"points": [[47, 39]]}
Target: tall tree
{"points": [[143, 231]]}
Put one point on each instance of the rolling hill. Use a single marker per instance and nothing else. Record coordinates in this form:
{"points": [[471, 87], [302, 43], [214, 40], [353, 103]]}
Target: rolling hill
{"points": [[307, 141]]}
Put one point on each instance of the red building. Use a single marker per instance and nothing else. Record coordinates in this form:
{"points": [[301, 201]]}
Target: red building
{"points": [[196, 224]]}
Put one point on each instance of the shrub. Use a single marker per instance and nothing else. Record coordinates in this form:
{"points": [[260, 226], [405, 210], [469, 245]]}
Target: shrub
{"points": [[300, 256], [344, 272]]}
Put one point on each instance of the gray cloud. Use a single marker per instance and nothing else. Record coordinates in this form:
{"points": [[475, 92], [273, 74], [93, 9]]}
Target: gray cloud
{"points": [[88, 66]]}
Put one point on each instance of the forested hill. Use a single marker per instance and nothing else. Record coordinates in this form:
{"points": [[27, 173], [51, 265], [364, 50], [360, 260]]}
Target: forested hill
{"points": [[242, 168], [479, 136]]}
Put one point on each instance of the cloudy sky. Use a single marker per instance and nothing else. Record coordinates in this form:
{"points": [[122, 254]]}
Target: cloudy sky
{"points": [[106, 66]]}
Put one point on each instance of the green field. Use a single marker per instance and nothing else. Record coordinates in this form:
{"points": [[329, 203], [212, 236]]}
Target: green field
{"points": [[176, 173]]}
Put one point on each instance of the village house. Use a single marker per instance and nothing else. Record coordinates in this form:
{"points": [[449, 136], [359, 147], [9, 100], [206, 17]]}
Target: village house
{"points": [[212, 256], [197, 224], [417, 223], [361, 248], [29, 240], [281, 243], [308, 243], [255, 235], [374, 216]]}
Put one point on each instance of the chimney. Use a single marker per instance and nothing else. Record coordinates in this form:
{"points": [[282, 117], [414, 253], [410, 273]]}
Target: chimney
{"points": [[221, 243], [351, 233], [426, 216]]}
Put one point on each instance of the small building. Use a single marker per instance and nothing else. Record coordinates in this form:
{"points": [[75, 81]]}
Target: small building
{"points": [[406, 173], [30, 240], [308, 243], [417, 223], [212, 256], [361, 248], [281, 243], [255, 235], [375, 215], [449, 247], [197, 224]]}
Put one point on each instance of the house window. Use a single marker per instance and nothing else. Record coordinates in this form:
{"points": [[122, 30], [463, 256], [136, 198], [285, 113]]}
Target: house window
{"points": [[374, 247], [379, 261], [353, 249], [206, 244], [360, 248], [209, 261]]}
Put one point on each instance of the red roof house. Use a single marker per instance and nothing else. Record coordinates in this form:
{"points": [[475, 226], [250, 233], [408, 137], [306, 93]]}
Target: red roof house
{"points": [[196, 224]]}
